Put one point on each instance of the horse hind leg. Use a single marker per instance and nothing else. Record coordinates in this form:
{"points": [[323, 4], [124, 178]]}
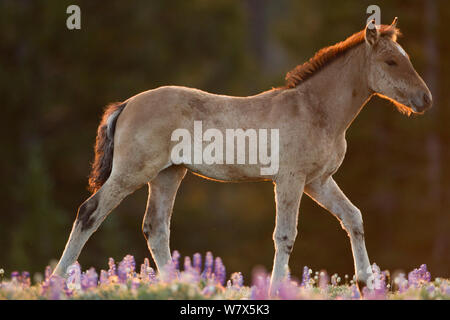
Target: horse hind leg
{"points": [[156, 223], [93, 212]]}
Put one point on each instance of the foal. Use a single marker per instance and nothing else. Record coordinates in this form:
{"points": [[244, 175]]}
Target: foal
{"points": [[312, 113]]}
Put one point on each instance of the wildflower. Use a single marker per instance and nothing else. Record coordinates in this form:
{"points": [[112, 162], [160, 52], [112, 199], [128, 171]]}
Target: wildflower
{"points": [[25, 279], [56, 287], [104, 277], [130, 264], [288, 290], [187, 266], [260, 288], [152, 275], [237, 280], [355, 292], [210, 287], [175, 259], [305, 277], [122, 271], [197, 259], [112, 267], [419, 276], [209, 261], [15, 277], [168, 272], [91, 278], [219, 271]]}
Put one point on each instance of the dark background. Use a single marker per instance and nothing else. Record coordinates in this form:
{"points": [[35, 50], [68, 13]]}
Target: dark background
{"points": [[55, 82]]}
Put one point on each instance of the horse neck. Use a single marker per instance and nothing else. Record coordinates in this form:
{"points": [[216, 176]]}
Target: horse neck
{"points": [[340, 89]]}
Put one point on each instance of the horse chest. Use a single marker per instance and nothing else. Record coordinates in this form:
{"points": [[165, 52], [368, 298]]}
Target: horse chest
{"points": [[327, 160]]}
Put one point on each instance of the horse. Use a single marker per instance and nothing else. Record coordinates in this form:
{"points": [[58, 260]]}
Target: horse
{"points": [[312, 112]]}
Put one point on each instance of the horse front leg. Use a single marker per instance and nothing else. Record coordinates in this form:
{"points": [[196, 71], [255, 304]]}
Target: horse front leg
{"points": [[328, 194], [288, 192], [156, 223]]}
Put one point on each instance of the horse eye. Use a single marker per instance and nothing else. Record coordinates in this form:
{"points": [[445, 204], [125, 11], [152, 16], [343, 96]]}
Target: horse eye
{"points": [[391, 62]]}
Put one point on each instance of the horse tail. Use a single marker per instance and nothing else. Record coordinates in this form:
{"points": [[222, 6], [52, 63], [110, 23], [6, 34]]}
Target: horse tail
{"points": [[104, 146]]}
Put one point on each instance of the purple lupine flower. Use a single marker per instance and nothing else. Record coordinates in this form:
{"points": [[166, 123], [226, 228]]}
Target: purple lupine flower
{"points": [[197, 259], [15, 277], [25, 278], [84, 282], [210, 287], [56, 287], [190, 274], [219, 271], [152, 275], [260, 288], [419, 276], [209, 262], [67, 291], [237, 280], [92, 278], [305, 277], [126, 268], [104, 277], [169, 273], [187, 266], [122, 271], [112, 267], [355, 292], [130, 264], [176, 259], [288, 290]]}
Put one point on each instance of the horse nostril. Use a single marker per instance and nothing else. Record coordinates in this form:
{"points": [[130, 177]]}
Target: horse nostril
{"points": [[426, 99]]}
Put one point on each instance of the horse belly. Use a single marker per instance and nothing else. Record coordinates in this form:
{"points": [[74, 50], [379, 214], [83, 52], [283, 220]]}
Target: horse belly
{"points": [[229, 172]]}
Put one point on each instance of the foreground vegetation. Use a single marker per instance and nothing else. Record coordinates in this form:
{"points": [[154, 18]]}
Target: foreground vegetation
{"points": [[207, 280]]}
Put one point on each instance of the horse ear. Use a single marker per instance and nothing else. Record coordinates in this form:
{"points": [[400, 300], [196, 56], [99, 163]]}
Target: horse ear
{"points": [[394, 23], [371, 33]]}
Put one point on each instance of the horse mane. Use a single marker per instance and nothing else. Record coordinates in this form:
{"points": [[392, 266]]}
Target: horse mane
{"points": [[328, 54]]}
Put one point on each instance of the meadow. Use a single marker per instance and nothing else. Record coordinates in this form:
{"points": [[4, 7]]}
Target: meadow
{"points": [[200, 278]]}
